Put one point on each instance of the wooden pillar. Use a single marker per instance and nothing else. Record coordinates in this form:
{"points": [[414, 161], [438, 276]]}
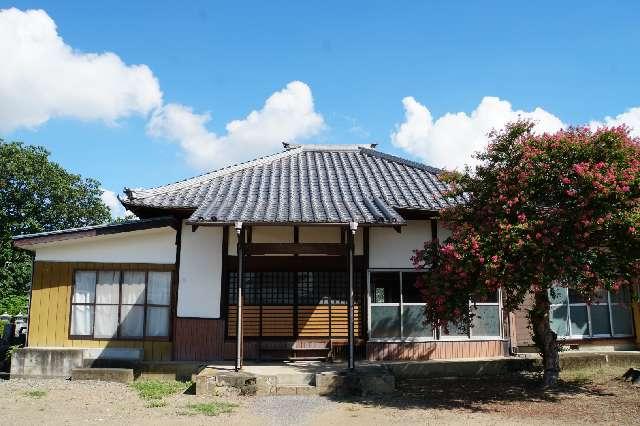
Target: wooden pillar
{"points": [[239, 337], [353, 226]]}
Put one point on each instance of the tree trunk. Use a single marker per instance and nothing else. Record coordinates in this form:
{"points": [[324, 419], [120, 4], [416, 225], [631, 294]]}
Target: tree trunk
{"points": [[545, 339]]}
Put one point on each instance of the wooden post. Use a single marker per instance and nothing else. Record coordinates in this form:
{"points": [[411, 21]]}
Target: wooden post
{"points": [[239, 338], [353, 226]]}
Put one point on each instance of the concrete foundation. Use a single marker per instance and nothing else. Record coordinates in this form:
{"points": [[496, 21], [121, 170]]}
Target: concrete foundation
{"points": [[120, 375], [45, 362]]}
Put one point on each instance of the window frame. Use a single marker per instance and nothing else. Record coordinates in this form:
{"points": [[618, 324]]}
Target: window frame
{"points": [[146, 305], [609, 303], [437, 334]]}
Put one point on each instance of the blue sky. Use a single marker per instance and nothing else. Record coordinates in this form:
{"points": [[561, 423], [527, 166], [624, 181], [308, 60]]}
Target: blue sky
{"points": [[382, 72]]}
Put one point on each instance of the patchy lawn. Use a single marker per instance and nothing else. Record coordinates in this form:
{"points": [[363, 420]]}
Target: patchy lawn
{"points": [[584, 396]]}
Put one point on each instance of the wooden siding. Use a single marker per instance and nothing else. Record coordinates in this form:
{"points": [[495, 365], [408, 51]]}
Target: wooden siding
{"points": [[198, 339], [278, 321], [414, 351], [50, 307]]}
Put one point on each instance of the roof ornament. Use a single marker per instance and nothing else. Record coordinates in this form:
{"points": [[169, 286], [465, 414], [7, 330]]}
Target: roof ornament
{"points": [[373, 145], [286, 145]]}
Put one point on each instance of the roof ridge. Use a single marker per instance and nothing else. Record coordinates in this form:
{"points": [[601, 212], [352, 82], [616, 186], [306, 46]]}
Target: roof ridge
{"points": [[394, 158]]}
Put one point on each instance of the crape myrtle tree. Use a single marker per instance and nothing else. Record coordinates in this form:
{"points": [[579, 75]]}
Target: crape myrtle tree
{"points": [[540, 211], [37, 195]]}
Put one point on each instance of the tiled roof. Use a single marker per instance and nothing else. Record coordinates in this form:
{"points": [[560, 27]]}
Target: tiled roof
{"points": [[304, 184]]}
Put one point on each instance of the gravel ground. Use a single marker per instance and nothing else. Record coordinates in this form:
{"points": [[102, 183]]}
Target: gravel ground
{"points": [[588, 397]]}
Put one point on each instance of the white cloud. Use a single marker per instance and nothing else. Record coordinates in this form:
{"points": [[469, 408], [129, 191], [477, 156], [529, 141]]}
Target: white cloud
{"points": [[111, 200], [42, 77], [287, 115], [451, 140], [631, 118]]}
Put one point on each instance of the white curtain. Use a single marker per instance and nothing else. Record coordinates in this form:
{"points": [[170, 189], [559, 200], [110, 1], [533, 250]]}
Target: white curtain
{"points": [[108, 287], [106, 321], [131, 320], [81, 320], [133, 288], [159, 288], [157, 321], [84, 289]]}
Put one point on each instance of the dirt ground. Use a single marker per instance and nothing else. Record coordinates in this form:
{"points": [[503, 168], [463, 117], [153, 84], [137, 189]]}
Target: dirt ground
{"points": [[585, 396]]}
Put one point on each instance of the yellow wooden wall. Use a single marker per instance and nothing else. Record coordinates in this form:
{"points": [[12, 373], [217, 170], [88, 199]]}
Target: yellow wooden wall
{"points": [[50, 307]]}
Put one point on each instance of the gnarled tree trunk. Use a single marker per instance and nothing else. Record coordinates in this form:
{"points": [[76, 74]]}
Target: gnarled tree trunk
{"points": [[545, 339]]}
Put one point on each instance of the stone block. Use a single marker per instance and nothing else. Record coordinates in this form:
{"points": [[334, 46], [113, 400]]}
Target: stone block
{"points": [[45, 362], [119, 375], [215, 382], [287, 390], [329, 382], [266, 385]]}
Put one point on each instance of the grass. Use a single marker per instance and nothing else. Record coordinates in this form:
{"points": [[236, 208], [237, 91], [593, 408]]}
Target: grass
{"points": [[156, 403], [212, 408], [36, 393], [156, 390]]}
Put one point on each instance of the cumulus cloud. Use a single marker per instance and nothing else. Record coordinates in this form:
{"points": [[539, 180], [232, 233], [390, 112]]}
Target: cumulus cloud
{"points": [[631, 118], [287, 115], [450, 140], [110, 199], [42, 77]]}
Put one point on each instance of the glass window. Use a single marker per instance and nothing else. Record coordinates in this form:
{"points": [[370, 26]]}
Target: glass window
{"points": [[385, 321], [606, 314], [558, 319], [112, 304], [413, 322], [131, 321], [622, 319], [600, 324], [486, 321], [159, 288], [410, 293], [579, 320], [385, 287]]}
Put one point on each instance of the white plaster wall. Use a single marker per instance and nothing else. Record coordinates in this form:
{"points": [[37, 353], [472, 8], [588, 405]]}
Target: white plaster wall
{"points": [[390, 249], [200, 281], [443, 233], [319, 234], [272, 234], [146, 246]]}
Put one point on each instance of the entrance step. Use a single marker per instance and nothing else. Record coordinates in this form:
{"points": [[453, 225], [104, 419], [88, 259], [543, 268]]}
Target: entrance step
{"points": [[308, 358], [121, 375], [296, 379], [296, 390]]}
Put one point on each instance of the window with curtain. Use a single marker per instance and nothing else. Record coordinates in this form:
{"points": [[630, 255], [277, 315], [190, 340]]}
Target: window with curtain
{"points": [[606, 315], [397, 310], [121, 304]]}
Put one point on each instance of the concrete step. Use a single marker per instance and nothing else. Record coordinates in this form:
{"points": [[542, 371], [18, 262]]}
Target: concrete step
{"points": [[120, 375], [296, 379], [296, 390], [307, 358]]}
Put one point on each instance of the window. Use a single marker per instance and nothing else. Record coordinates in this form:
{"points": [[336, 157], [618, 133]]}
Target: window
{"points": [[608, 314], [397, 310], [279, 288], [121, 304]]}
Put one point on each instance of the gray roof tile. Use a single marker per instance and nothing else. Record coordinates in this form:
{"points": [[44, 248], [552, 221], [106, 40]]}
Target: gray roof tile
{"points": [[305, 184]]}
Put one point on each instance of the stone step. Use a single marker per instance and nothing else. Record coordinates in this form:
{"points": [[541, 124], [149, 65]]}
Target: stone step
{"points": [[296, 379], [120, 375], [296, 390]]}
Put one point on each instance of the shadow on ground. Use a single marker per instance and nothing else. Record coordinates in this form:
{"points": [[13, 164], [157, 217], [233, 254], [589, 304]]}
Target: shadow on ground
{"points": [[477, 394]]}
